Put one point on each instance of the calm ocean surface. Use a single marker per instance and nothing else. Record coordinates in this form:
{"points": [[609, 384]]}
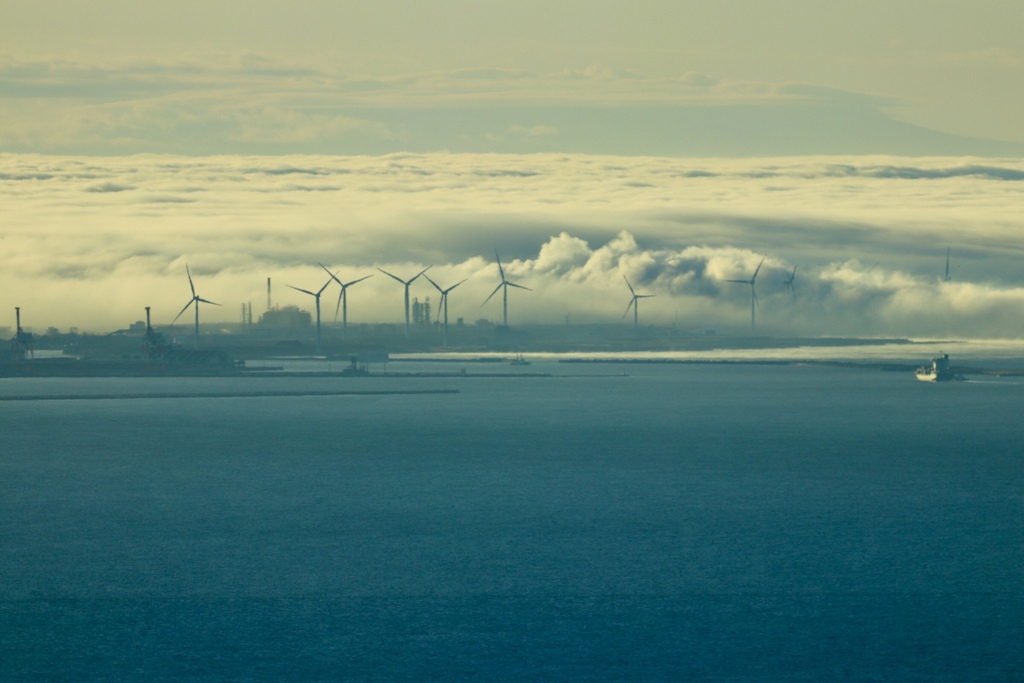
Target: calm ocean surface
{"points": [[682, 522]]}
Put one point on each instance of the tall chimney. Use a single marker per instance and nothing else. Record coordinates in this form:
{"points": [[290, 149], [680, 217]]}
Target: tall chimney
{"points": [[268, 293]]}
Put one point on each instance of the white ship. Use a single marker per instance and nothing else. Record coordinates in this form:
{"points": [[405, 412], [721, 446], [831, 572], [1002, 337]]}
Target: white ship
{"points": [[938, 371]]}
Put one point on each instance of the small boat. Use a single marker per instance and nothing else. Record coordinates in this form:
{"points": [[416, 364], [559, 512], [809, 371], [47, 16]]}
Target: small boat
{"points": [[519, 360], [938, 371]]}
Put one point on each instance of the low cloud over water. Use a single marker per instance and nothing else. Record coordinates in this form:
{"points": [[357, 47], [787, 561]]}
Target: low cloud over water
{"points": [[90, 241]]}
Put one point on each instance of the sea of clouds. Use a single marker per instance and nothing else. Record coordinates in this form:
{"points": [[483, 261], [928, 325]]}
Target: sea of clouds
{"points": [[90, 241]]}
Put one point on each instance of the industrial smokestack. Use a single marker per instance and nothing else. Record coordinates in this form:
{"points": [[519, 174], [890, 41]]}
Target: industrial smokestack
{"points": [[17, 318], [149, 328], [268, 293]]}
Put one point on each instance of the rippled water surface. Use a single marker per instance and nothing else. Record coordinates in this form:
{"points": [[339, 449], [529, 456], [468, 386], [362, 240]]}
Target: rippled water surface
{"points": [[678, 522]]}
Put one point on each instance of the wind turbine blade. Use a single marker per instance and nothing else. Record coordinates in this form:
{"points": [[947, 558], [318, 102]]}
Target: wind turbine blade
{"points": [[321, 290], [337, 307], [629, 285], [629, 306], [191, 286], [454, 286], [391, 276], [212, 303], [333, 276], [646, 296], [745, 282], [299, 289], [190, 302], [501, 271], [420, 273], [753, 295], [493, 293], [349, 284], [759, 267], [436, 286], [512, 284]]}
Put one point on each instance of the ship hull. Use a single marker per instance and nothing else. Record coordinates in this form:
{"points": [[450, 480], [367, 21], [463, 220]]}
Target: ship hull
{"points": [[931, 377]]}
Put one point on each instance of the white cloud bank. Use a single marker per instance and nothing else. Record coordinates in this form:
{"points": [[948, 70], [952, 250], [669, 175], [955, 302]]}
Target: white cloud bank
{"points": [[88, 242]]}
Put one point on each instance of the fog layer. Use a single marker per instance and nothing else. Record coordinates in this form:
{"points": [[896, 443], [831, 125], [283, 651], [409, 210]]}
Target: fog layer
{"points": [[88, 242]]}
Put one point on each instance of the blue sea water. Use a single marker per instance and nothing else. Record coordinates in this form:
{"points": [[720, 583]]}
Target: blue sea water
{"points": [[678, 522]]}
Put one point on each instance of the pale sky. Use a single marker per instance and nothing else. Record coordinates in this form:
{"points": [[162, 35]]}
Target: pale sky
{"points": [[725, 77], [676, 143]]}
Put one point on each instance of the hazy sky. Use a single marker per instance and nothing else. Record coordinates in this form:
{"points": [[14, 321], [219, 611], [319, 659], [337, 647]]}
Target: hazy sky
{"points": [[676, 143], [722, 77]]}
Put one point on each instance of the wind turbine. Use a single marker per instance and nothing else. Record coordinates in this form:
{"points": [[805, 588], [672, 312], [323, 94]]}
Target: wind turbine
{"points": [[789, 281], [505, 284], [406, 283], [753, 294], [343, 299], [315, 295], [633, 303], [196, 300], [444, 305]]}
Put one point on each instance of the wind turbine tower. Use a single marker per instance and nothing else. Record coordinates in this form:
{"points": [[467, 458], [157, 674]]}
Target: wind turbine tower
{"points": [[633, 303], [406, 283], [315, 295], [343, 299], [505, 284], [195, 300], [946, 277], [753, 294], [443, 304]]}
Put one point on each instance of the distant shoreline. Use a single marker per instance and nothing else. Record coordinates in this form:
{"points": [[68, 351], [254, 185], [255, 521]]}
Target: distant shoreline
{"points": [[221, 394]]}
